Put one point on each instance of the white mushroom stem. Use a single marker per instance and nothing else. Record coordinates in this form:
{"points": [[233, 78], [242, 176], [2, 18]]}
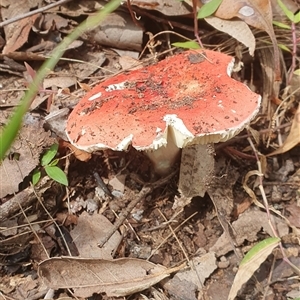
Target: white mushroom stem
{"points": [[196, 166], [197, 161], [164, 157]]}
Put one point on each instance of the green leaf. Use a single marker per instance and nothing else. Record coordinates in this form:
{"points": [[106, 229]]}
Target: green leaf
{"points": [[208, 9], [286, 11], [53, 162], [187, 45], [251, 262], [297, 72], [259, 249], [297, 18], [284, 47], [281, 25], [36, 176], [49, 155], [57, 174]]}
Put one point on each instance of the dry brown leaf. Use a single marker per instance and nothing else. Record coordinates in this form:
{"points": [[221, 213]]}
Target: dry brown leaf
{"points": [[294, 211], [186, 284], [257, 13], [119, 277], [166, 7], [89, 230], [19, 37], [118, 31], [79, 154], [235, 28], [28, 147], [293, 138], [16, 34], [246, 227]]}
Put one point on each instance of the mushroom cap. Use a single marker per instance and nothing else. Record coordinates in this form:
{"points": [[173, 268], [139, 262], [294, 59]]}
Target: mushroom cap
{"points": [[189, 96]]}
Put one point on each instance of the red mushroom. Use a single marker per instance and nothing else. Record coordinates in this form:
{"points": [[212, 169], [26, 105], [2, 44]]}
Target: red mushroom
{"points": [[185, 99]]}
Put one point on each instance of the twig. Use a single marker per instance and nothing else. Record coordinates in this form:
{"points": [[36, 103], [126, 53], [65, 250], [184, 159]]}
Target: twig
{"points": [[102, 185], [142, 194], [31, 13], [124, 214], [54, 221], [171, 234], [196, 27], [25, 198]]}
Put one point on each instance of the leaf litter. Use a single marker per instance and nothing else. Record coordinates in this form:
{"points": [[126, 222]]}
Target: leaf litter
{"points": [[215, 227]]}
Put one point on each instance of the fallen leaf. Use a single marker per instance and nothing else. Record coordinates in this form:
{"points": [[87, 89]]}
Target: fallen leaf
{"points": [[24, 155], [235, 28], [116, 278], [246, 228], [251, 262], [186, 284], [86, 235], [294, 211], [17, 33], [293, 139], [166, 7], [257, 13], [79, 154], [119, 31]]}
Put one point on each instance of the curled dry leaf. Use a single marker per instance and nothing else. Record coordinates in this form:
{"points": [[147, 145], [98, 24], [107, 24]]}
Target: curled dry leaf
{"points": [[257, 13], [17, 33], [293, 138], [237, 29], [119, 277], [79, 154], [166, 7], [24, 155]]}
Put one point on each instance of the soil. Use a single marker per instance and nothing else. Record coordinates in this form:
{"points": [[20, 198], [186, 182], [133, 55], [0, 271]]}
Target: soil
{"points": [[117, 201]]}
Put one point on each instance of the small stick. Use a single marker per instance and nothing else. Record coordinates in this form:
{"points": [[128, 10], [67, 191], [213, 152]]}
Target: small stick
{"points": [[124, 214], [196, 27], [102, 185], [31, 13], [141, 195]]}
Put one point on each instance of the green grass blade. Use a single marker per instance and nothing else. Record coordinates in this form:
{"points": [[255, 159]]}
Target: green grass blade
{"points": [[286, 11], [187, 45]]}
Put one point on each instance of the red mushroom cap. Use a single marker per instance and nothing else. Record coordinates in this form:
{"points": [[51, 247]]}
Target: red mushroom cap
{"points": [[191, 93]]}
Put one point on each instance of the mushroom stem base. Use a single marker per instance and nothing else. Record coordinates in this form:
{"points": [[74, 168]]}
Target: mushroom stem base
{"points": [[196, 169]]}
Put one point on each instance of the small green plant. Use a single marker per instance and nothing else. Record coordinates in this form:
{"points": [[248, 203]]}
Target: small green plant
{"points": [[49, 164], [208, 9], [205, 11]]}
